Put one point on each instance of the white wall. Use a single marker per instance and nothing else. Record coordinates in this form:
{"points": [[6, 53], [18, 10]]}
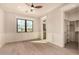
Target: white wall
{"points": [[2, 33], [55, 27], [10, 28]]}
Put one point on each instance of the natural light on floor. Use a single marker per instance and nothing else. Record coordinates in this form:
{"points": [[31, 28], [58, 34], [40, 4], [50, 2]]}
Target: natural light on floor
{"points": [[40, 41]]}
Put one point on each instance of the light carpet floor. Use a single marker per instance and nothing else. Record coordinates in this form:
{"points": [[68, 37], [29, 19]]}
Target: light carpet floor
{"points": [[35, 48]]}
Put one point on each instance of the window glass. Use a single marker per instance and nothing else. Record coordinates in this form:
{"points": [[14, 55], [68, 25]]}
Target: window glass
{"points": [[29, 25], [21, 25], [24, 25]]}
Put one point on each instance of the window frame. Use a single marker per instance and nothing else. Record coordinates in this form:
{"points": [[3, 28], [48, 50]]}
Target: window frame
{"points": [[25, 25], [17, 24], [32, 26]]}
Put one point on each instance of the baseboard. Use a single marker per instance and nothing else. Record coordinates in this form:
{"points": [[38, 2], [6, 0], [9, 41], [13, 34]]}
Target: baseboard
{"points": [[57, 44], [23, 40]]}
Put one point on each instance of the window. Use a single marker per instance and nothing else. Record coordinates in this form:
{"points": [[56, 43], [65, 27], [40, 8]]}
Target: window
{"points": [[24, 25], [21, 25], [29, 25]]}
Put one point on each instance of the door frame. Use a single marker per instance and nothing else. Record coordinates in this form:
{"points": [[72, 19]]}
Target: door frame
{"points": [[42, 19]]}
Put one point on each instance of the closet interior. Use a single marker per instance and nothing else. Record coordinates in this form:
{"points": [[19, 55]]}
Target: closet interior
{"points": [[71, 29]]}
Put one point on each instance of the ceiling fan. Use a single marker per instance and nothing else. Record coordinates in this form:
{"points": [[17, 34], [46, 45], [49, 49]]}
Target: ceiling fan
{"points": [[34, 6]]}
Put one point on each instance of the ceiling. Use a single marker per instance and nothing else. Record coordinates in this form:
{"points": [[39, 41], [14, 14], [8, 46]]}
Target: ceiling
{"points": [[73, 11], [24, 9]]}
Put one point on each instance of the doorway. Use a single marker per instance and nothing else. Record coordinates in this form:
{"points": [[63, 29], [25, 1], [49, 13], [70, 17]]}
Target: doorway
{"points": [[71, 30], [43, 28], [71, 35], [44, 31]]}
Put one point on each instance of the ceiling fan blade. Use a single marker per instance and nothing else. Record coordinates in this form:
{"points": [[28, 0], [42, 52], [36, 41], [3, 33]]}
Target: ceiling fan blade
{"points": [[27, 4], [38, 6], [32, 5]]}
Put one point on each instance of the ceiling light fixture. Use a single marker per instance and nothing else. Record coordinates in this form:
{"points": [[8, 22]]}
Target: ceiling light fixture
{"points": [[33, 7]]}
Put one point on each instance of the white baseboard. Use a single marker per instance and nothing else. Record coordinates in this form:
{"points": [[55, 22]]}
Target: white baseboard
{"points": [[60, 45]]}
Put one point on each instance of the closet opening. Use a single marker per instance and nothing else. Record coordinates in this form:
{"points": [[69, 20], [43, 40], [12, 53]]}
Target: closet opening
{"points": [[71, 30]]}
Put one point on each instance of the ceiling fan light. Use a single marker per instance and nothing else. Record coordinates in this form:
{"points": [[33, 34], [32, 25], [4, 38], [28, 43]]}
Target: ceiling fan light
{"points": [[32, 9]]}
